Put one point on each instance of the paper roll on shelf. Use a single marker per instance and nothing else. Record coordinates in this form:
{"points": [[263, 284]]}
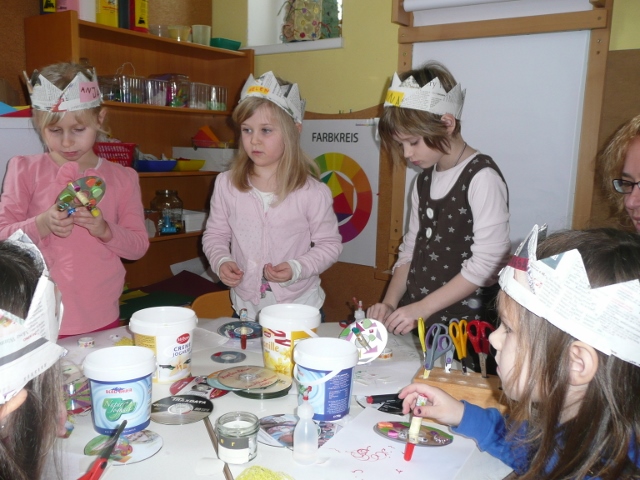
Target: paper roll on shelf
{"points": [[416, 5]]}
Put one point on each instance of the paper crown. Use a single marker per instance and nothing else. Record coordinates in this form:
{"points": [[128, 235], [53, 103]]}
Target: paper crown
{"points": [[28, 346], [81, 93], [558, 289], [431, 98], [287, 97]]}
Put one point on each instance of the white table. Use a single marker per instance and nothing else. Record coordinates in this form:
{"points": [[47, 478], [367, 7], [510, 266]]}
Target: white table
{"points": [[184, 445]]}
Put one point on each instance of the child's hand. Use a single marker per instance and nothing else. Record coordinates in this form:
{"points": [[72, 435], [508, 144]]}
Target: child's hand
{"points": [[97, 226], [441, 406], [230, 274], [403, 319], [379, 311], [280, 273], [54, 221]]}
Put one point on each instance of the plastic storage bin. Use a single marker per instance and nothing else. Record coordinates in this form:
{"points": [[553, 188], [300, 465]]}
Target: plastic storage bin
{"points": [[121, 153]]}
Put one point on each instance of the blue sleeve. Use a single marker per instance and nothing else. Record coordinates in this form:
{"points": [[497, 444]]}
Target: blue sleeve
{"points": [[488, 428]]}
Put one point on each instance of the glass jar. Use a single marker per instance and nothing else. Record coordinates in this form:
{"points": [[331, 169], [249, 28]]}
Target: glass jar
{"points": [[169, 208], [237, 437]]}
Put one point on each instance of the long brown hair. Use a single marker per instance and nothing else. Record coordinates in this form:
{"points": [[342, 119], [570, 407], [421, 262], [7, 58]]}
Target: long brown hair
{"points": [[29, 431], [407, 121], [294, 167], [597, 440]]}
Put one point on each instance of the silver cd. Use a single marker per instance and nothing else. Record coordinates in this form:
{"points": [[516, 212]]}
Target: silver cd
{"points": [[180, 409], [228, 357]]}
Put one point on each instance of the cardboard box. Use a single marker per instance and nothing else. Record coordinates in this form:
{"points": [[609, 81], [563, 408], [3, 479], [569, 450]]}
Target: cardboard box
{"points": [[215, 159], [484, 392], [194, 220]]}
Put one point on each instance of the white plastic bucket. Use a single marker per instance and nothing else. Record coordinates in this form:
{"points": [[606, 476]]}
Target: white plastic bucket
{"points": [[283, 326], [168, 331], [120, 381], [324, 368]]}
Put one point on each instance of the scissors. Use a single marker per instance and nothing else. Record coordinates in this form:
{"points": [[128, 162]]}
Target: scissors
{"points": [[99, 466], [437, 343], [479, 335], [458, 333]]}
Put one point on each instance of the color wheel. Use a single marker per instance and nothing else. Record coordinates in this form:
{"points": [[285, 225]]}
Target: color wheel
{"points": [[352, 196]]}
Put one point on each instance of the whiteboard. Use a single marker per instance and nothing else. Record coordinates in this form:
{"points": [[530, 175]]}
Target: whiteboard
{"points": [[524, 109]]}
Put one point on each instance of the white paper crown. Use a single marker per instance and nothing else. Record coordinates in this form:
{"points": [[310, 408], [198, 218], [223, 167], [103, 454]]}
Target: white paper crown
{"points": [[287, 97], [28, 346], [81, 93], [558, 289], [431, 98]]}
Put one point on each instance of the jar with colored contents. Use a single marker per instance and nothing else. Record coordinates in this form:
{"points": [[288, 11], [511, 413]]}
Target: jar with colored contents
{"points": [[169, 208]]}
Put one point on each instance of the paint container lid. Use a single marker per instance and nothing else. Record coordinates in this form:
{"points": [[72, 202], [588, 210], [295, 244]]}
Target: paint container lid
{"points": [[289, 316], [157, 321], [324, 353], [117, 364]]}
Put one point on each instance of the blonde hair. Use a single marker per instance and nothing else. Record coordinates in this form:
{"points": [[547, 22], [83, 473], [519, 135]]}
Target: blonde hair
{"points": [[61, 74], [610, 163], [407, 121], [294, 167], [597, 440]]}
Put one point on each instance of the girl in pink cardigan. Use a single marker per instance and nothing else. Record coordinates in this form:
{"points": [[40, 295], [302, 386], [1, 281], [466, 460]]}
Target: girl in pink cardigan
{"points": [[271, 229], [83, 250]]}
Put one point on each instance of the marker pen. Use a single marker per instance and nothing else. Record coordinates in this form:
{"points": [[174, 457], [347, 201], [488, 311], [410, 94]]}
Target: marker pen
{"points": [[382, 398]]}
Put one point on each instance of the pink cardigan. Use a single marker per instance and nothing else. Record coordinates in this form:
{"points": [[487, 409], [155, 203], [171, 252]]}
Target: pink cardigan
{"points": [[239, 228], [88, 272]]}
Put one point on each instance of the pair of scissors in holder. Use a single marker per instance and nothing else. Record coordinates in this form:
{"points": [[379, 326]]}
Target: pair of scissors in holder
{"points": [[458, 333], [437, 343], [479, 332], [100, 464]]}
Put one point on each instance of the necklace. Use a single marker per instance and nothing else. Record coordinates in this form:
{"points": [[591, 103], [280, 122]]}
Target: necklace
{"points": [[460, 156]]}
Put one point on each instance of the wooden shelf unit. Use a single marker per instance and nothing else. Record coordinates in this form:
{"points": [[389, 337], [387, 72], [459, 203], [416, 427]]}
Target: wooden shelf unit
{"points": [[62, 37]]}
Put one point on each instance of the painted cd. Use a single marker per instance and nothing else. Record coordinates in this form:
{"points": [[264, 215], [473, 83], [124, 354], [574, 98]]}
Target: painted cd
{"points": [[277, 390], [180, 409], [238, 328], [228, 357], [247, 377], [132, 448], [399, 432], [196, 386]]}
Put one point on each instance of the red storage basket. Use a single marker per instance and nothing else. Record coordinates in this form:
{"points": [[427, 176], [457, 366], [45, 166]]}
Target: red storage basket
{"points": [[121, 153]]}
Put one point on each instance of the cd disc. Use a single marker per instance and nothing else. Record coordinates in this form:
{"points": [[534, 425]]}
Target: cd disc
{"points": [[228, 357], [212, 381], [277, 390], [238, 328], [180, 409], [247, 377]]}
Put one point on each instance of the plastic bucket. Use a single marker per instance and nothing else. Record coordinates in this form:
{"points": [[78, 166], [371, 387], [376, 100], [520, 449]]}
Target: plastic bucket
{"points": [[324, 368], [168, 331], [120, 382], [283, 326]]}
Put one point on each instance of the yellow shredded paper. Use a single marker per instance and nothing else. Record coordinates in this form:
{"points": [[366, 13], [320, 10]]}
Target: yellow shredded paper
{"points": [[261, 473]]}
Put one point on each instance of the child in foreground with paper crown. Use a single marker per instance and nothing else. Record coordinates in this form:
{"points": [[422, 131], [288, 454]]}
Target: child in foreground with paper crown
{"points": [[271, 229], [31, 408], [568, 354], [83, 250], [458, 236]]}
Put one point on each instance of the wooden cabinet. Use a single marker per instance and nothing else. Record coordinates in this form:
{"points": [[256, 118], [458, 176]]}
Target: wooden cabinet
{"points": [[59, 37]]}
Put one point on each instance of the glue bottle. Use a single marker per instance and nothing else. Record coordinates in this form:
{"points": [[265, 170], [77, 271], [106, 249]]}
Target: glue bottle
{"points": [[305, 435], [359, 313]]}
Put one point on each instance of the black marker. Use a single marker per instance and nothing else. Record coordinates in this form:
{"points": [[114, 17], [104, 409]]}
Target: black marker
{"points": [[382, 398]]}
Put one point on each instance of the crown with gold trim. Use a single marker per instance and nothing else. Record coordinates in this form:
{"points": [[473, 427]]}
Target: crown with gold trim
{"points": [[287, 97], [431, 98], [558, 289], [28, 346], [81, 93]]}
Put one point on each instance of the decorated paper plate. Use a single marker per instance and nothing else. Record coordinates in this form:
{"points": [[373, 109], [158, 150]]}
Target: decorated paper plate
{"points": [[369, 336]]}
